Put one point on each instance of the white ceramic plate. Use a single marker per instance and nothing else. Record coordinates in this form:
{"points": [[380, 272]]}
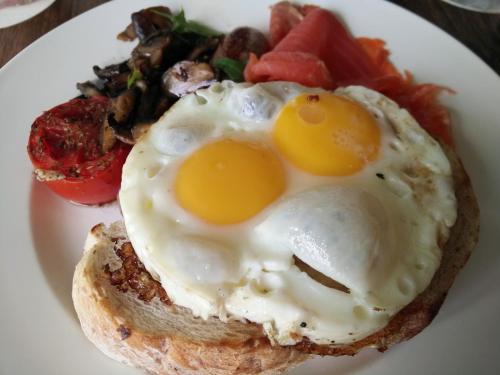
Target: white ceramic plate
{"points": [[41, 235]]}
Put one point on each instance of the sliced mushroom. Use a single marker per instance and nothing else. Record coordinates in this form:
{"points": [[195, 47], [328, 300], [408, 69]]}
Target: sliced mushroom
{"points": [[146, 103], [150, 54], [203, 52], [111, 71], [128, 34], [180, 48], [107, 137], [114, 77], [89, 89], [131, 111], [146, 22], [150, 20], [240, 42], [186, 77], [121, 114], [123, 105], [116, 85]]}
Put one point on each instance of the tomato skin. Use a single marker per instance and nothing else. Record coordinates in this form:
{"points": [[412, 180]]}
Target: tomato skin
{"points": [[67, 135], [98, 189], [65, 140]]}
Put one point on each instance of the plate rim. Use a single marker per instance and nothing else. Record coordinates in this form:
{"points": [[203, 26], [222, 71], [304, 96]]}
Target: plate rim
{"points": [[6, 68]]}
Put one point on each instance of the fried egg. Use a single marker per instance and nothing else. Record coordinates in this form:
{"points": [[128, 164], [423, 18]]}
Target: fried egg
{"points": [[316, 214]]}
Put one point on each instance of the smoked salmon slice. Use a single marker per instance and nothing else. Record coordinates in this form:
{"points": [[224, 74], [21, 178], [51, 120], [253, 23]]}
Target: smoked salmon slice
{"points": [[320, 34], [284, 17], [421, 100], [299, 67], [312, 47], [379, 54]]}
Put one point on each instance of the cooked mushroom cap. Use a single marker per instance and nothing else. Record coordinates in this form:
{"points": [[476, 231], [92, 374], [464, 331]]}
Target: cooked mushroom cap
{"points": [[204, 51], [89, 89], [107, 137], [120, 115], [148, 21], [122, 106], [110, 71], [114, 77], [166, 64], [240, 42], [186, 77], [149, 54], [128, 34], [145, 23]]}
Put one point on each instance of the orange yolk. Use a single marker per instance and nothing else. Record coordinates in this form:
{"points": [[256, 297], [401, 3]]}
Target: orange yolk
{"points": [[229, 181], [327, 134]]}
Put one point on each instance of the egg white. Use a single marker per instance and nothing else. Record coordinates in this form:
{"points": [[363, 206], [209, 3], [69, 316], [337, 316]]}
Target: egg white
{"points": [[376, 232]]}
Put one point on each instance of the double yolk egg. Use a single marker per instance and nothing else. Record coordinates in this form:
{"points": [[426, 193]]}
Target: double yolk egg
{"points": [[241, 195], [228, 181]]}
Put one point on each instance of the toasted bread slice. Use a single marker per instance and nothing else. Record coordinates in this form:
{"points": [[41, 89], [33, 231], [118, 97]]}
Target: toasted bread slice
{"points": [[134, 323]]}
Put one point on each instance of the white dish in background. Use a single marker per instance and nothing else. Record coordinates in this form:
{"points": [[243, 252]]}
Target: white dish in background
{"points": [[483, 6], [13, 15], [42, 236]]}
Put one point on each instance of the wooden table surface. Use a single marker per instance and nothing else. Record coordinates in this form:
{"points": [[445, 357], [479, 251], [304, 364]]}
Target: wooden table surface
{"points": [[480, 32]]}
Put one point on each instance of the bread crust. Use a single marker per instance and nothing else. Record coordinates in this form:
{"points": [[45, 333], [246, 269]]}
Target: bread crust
{"points": [[158, 337]]}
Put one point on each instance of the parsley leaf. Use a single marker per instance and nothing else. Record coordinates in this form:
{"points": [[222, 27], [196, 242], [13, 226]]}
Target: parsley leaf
{"points": [[232, 68], [133, 78], [181, 26]]}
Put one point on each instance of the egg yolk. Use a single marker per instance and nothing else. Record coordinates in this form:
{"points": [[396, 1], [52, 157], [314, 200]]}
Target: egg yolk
{"points": [[327, 134], [229, 181]]}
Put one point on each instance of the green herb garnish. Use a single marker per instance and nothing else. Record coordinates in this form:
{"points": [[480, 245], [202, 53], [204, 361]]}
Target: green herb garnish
{"points": [[133, 78], [232, 68], [181, 26]]}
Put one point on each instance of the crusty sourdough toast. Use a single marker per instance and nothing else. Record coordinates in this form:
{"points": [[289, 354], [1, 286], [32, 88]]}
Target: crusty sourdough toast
{"points": [[127, 314]]}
